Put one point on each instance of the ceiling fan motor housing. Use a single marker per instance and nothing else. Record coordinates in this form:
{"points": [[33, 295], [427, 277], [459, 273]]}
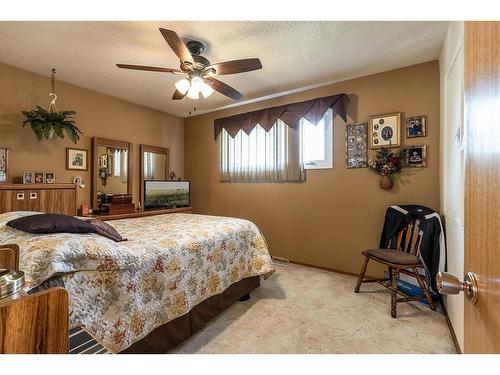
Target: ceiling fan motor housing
{"points": [[196, 47]]}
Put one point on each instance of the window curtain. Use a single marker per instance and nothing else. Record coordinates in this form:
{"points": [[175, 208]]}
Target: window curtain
{"points": [[116, 163], [312, 110], [124, 166], [120, 167], [261, 156], [148, 166]]}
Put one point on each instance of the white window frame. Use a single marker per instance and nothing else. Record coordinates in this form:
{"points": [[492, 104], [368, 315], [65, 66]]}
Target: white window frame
{"points": [[327, 161]]}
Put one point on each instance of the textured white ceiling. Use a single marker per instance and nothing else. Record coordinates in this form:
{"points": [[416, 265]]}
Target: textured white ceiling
{"points": [[293, 54]]}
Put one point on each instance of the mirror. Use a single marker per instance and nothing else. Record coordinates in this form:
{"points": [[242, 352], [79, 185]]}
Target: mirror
{"points": [[154, 165], [112, 166]]}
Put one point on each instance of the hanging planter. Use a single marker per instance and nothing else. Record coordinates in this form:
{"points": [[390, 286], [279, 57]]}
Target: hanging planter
{"points": [[386, 182], [387, 165], [51, 123]]}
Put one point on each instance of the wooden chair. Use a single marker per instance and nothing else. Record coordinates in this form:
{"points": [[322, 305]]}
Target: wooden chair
{"points": [[404, 259]]}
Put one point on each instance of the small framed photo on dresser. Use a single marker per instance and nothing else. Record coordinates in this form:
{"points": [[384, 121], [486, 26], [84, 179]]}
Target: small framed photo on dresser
{"points": [[416, 127], [39, 178], [50, 178], [28, 178], [4, 164], [385, 130], [76, 159]]}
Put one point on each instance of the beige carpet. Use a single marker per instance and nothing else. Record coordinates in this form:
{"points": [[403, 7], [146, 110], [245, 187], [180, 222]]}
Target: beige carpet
{"points": [[305, 310]]}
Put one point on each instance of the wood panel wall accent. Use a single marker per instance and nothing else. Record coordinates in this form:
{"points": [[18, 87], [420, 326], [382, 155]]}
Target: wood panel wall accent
{"points": [[113, 143], [155, 150], [49, 198], [35, 324]]}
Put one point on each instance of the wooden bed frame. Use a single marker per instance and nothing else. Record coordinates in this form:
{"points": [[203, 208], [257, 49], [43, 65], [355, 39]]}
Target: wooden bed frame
{"points": [[39, 323]]}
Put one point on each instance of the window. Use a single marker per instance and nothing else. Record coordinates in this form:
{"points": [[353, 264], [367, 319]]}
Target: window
{"points": [[261, 156], [281, 154], [317, 142]]}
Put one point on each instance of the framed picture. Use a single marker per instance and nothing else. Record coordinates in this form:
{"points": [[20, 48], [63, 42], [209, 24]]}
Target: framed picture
{"points": [[356, 146], [110, 164], [384, 130], [415, 127], [416, 156], [28, 178], [104, 161], [39, 178], [76, 159], [50, 178], [4, 164]]}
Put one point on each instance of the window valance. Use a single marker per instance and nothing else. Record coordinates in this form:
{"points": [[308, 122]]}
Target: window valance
{"points": [[312, 110]]}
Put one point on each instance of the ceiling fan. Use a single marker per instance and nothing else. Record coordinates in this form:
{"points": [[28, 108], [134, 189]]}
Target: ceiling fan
{"points": [[199, 70]]}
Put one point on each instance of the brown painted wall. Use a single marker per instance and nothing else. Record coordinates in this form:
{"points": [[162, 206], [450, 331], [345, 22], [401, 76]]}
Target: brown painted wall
{"points": [[97, 115], [327, 220]]}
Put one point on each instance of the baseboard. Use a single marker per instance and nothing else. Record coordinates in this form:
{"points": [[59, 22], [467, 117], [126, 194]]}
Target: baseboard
{"points": [[328, 269], [450, 326]]}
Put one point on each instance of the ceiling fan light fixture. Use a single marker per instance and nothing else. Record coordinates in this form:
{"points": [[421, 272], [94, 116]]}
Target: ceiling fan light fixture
{"points": [[183, 86], [197, 86], [193, 93], [206, 90]]}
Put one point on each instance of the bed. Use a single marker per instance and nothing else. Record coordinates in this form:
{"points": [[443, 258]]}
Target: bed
{"points": [[151, 292]]}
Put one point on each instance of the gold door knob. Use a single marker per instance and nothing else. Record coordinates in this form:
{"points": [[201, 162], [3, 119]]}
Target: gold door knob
{"points": [[450, 284]]}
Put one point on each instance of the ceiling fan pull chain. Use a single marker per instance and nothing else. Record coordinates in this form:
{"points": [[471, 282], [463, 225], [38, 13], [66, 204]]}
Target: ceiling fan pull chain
{"points": [[52, 95]]}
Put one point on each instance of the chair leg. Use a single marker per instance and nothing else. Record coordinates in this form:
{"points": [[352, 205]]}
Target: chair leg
{"points": [[425, 289], [394, 287], [361, 275]]}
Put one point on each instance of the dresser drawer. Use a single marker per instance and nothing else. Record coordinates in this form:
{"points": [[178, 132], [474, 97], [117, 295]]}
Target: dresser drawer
{"points": [[26, 200]]}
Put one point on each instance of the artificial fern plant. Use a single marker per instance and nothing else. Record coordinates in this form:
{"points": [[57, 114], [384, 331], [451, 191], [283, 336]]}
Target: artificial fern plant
{"points": [[52, 124]]}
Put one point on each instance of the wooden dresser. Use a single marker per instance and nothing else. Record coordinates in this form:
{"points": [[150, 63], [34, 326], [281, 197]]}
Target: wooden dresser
{"points": [[49, 198]]}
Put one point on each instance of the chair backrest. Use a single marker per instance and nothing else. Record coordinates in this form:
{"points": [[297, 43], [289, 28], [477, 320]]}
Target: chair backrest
{"points": [[410, 238]]}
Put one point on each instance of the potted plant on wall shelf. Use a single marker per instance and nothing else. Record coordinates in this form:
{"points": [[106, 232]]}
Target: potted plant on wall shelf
{"points": [[387, 164], [51, 123]]}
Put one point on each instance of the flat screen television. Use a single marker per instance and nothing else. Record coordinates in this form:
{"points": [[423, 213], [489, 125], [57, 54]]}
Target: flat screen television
{"points": [[165, 194]]}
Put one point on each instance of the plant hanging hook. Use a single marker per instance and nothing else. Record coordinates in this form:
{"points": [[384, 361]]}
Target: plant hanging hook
{"points": [[52, 95]]}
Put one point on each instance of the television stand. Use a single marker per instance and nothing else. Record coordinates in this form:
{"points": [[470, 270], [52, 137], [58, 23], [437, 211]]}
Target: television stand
{"points": [[143, 213]]}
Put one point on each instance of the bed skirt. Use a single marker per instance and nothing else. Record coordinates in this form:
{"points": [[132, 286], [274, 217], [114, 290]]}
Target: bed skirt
{"points": [[171, 334]]}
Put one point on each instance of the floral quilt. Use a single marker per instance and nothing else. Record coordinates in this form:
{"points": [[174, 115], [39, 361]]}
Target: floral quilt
{"points": [[121, 291]]}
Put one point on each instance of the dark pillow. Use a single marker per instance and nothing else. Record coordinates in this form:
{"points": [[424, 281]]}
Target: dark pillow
{"points": [[106, 230], [51, 223], [57, 223]]}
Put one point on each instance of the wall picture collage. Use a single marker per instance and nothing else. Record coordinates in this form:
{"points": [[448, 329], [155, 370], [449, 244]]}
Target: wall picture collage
{"points": [[385, 131]]}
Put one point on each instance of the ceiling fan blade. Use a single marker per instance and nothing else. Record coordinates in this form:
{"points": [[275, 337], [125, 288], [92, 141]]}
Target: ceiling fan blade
{"points": [[223, 88], [236, 66], [177, 45], [148, 68], [178, 95]]}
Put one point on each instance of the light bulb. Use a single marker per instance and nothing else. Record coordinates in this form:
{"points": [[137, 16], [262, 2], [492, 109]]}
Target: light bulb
{"points": [[183, 86], [193, 93], [206, 90], [196, 83]]}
